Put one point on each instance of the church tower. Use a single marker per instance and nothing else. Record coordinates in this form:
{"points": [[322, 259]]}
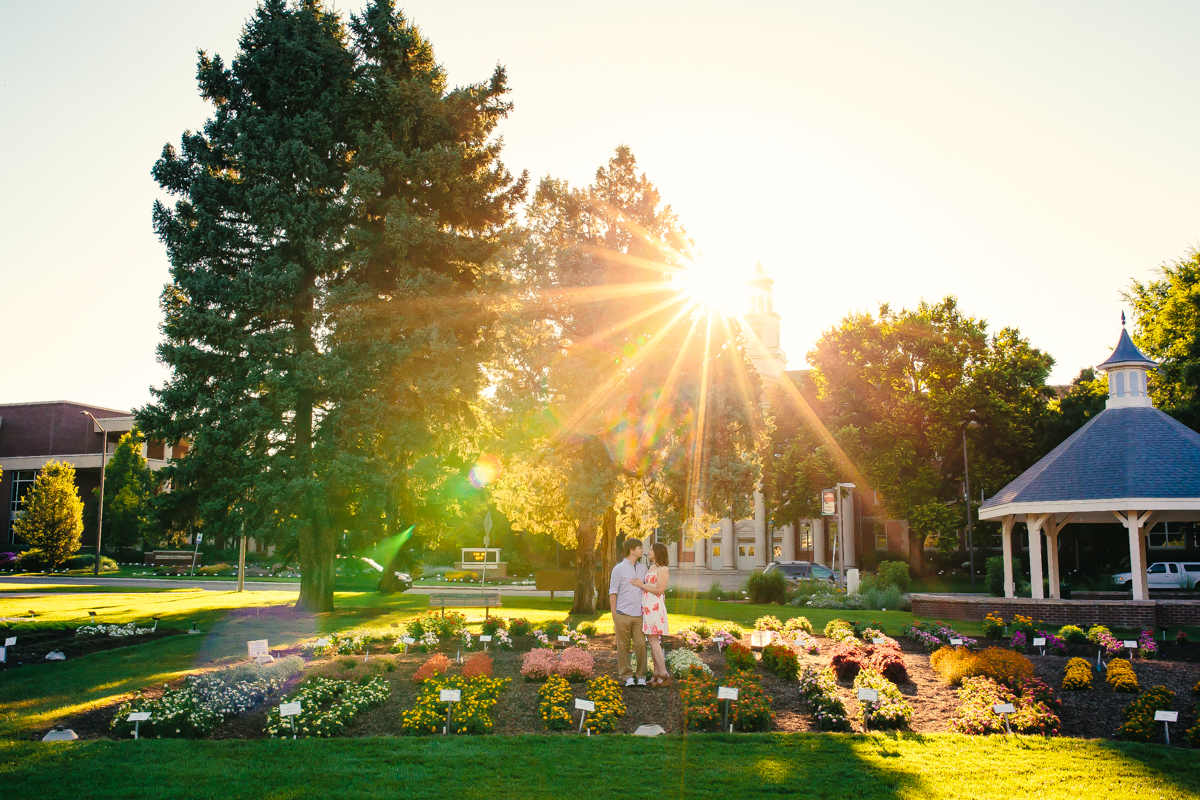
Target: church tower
{"points": [[762, 325]]}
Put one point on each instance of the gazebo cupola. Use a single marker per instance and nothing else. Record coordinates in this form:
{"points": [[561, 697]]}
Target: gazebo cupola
{"points": [[1128, 374]]}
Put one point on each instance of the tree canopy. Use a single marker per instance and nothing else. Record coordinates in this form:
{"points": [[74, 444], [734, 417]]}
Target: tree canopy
{"points": [[128, 492], [51, 517]]}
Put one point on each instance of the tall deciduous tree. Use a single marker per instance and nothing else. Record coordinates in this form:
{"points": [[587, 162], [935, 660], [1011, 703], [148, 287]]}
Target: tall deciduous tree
{"points": [[52, 514], [1166, 312], [614, 398], [335, 227]]}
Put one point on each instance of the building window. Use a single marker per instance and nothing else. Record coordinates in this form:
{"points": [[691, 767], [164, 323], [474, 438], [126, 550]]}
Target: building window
{"points": [[778, 552], [716, 551], [22, 480], [880, 537], [806, 538], [1168, 535]]}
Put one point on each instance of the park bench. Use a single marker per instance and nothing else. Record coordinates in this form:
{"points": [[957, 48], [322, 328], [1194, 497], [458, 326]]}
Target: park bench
{"points": [[484, 600]]}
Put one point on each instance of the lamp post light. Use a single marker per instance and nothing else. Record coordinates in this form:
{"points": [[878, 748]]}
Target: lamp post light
{"points": [[967, 495], [839, 544], [103, 465]]}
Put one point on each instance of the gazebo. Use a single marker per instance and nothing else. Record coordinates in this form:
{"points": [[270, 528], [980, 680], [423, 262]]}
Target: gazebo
{"points": [[1130, 463]]}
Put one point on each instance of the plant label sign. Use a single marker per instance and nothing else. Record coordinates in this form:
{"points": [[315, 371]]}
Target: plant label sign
{"points": [[585, 705], [564, 638], [1004, 708], [258, 647], [289, 709], [450, 695], [1130, 644], [322, 642], [139, 716], [881, 640], [1039, 641], [11, 641], [1159, 716], [408, 640], [727, 693], [956, 642], [483, 637], [868, 695], [760, 638]]}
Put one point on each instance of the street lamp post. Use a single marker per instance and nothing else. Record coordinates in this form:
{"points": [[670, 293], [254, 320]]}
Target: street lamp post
{"points": [[103, 465], [967, 496], [839, 544]]}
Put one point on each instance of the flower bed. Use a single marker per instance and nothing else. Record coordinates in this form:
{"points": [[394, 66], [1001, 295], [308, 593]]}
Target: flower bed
{"points": [[538, 665], [726, 635], [445, 626], [693, 641], [739, 657], [781, 661], [555, 703], [841, 631], [327, 706], [610, 706], [1102, 637], [818, 692], [768, 623], [1077, 676], [1120, 676], [932, 636], [434, 665], [975, 715], [955, 664], [575, 665], [698, 694], [1147, 647], [1138, 723], [891, 710], [807, 643], [798, 625], [130, 629], [751, 712], [680, 662], [204, 701], [471, 715]]}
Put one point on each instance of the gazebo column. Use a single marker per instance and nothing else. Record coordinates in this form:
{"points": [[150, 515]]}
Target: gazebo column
{"points": [[761, 556], [1006, 528], [1034, 524], [1137, 525], [789, 542], [1052, 529]]}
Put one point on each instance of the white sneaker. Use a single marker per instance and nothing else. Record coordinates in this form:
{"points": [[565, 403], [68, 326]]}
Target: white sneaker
{"points": [[629, 682], [640, 682]]}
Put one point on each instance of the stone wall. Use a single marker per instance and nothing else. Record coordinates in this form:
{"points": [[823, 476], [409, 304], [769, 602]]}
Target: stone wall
{"points": [[1145, 614]]}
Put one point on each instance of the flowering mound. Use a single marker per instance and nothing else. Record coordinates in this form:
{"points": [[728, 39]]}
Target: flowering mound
{"points": [[327, 706], [1147, 647], [493, 624], [472, 714], [955, 664], [435, 665], [1138, 723], [768, 623], [701, 710], [739, 657], [752, 710], [538, 665], [698, 694], [818, 692], [846, 660], [1055, 645], [807, 643], [554, 703], [693, 641], [680, 662], [478, 665], [575, 664], [891, 710], [1120, 676], [610, 706], [841, 631], [1077, 676], [781, 661], [519, 626], [204, 701], [112, 630], [1102, 637], [797, 625], [975, 714]]}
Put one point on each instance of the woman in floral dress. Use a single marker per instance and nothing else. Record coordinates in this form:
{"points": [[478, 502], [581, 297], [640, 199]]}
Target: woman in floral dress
{"points": [[654, 610]]}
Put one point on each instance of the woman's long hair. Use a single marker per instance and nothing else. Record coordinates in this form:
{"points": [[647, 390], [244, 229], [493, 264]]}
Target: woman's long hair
{"points": [[661, 558]]}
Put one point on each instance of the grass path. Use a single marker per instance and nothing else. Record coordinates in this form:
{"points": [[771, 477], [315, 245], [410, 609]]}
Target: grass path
{"points": [[704, 765]]}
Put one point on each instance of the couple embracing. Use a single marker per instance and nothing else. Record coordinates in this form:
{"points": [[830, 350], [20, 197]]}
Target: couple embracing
{"points": [[639, 611]]}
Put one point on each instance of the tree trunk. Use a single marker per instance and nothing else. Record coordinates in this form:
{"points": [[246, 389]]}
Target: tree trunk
{"points": [[916, 552], [608, 556], [318, 548], [585, 568]]}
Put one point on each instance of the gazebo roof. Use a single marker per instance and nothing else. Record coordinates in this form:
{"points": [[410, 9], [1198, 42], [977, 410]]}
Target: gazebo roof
{"points": [[1124, 458], [1126, 355]]}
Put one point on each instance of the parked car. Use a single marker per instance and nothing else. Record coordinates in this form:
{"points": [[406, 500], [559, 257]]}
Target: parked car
{"points": [[1165, 575], [797, 570]]}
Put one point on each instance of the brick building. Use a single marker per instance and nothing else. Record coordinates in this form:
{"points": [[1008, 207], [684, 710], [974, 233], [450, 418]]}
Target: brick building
{"points": [[32, 434]]}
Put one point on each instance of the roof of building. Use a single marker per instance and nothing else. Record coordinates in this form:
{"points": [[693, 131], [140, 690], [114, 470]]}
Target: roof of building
{"points": [[1126, 354], [1130, 452], [760, 276]]}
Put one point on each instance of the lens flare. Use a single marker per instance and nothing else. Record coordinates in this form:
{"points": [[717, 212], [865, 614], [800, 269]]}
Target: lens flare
{"points": [[485, 471], [712, 286]]}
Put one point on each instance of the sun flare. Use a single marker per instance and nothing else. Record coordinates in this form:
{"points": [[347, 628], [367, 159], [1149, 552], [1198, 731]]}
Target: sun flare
{"points": [[712, 286]]}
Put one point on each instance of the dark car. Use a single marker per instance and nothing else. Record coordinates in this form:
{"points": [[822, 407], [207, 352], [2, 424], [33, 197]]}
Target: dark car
{"points": [[796, 570]]}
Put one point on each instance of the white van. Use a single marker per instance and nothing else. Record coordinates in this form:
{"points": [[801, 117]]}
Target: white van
{"points": [[1165, 575]]}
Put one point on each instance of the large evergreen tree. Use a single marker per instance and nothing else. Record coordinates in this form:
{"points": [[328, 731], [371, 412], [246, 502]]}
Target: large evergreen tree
{"points": [[336, 221]]}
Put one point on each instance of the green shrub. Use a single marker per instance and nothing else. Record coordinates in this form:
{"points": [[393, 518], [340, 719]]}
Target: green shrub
{"points": [[32, 560], [519, 626], [995, 576], [87, 560], [766, 588], [587, 628], [781, 661], [1073, 634], [892, 573]]}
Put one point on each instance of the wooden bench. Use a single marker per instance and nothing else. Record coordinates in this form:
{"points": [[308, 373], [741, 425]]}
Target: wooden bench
{"points": [[486, 601]]}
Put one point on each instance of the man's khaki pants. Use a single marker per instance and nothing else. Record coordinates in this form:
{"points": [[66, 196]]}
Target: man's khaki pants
{"points": [[628, 628]]}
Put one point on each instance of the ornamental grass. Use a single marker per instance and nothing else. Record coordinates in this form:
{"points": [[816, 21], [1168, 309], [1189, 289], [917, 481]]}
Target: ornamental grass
{"points": [[1120, 676], [1138, 724], [818, 693], [1077, 676], [435, 665], [610, 706], [554, 703], [956, 664], [890, 711]]}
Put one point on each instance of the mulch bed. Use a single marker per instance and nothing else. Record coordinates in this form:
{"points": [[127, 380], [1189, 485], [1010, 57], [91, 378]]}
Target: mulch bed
{"points": [[1090, 714], [32, 646]]}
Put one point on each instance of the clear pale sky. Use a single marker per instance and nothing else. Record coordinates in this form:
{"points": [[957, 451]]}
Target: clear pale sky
{"points": [[1030, 158]]}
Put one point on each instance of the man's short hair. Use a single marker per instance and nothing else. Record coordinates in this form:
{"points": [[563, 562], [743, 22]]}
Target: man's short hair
{"points": [[631, 544]]}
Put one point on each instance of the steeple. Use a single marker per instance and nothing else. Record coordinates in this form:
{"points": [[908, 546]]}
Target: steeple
{"points": [[763, 324], [1127, 370]]}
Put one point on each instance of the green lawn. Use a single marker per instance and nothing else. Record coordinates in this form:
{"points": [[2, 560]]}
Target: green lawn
{"points": [[702, 765]]}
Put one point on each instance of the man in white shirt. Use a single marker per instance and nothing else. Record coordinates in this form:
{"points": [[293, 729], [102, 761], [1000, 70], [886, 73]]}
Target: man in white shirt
{"points": [[625, 601]]}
